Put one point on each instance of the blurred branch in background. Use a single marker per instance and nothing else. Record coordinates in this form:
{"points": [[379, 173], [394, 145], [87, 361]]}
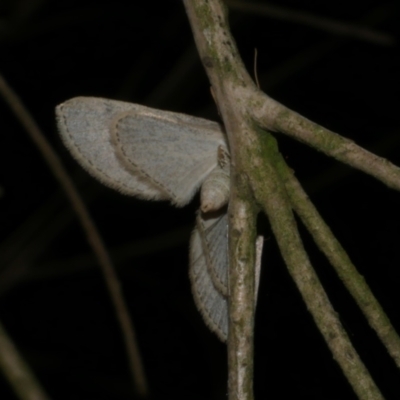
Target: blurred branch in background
{"points": [[93, 236], [17, 371], [314, 21]]}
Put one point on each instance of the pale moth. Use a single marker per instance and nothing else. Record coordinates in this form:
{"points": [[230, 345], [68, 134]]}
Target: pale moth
{"points": [[160, 155]]}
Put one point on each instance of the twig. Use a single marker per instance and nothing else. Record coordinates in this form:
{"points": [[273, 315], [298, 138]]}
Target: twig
{"points": [[276, 204], [242, 218], [339, 259], [277, 118], [217, 50], [314, 21], [17, 371], [255, 177], [93, 236]]}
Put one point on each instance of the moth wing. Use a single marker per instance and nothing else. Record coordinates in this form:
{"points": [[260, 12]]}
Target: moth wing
{"points": [[212, 304], [84, 124], [140, 151], [209, 268], [213, 228], [175, 152]]}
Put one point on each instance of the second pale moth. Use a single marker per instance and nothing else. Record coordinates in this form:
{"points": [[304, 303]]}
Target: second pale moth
{"points": [[161, 155]]}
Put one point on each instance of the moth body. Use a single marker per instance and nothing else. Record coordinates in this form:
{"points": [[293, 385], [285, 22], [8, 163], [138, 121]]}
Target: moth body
{"points": [[215, 190]]}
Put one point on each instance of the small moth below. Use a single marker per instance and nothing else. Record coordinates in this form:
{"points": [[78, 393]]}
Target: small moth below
{"points": [[160, 155]]}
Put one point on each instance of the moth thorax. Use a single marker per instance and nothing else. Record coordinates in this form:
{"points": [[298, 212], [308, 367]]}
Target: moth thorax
{"points": [[215, 190]]}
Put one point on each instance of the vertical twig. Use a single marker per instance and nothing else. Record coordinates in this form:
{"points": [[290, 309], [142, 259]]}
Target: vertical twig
{"points": [[94, 238], [220, 58], [242, 221]]}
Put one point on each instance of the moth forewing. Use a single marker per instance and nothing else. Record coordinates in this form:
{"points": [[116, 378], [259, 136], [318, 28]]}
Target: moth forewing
{"points": [[175, 153], [143, 152], [84, 126]]}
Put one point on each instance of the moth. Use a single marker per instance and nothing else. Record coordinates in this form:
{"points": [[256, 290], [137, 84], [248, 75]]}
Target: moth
{"points": [[160, 155]]}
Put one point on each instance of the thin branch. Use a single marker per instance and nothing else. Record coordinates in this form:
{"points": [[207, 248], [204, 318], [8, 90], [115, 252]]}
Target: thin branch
{"points": [[255, 163], [314, 21], [217, 51], [276, 204], [242, 218], [17, 371], [277, 118], [93, 236], [339, 259]]}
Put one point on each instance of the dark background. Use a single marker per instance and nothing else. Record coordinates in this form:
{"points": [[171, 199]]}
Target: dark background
{"points": [[53, 300]]}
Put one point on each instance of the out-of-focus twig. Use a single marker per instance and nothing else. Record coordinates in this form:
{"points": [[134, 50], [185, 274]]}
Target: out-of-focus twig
{"points": [[314, 21], [93, 236], [17, 371]]}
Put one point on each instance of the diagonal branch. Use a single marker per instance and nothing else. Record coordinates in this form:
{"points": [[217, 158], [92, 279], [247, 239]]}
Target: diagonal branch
{"points": [[339, 259], [94, 238], [314, 21], [276, 204], [17, 372], [277, 118]]}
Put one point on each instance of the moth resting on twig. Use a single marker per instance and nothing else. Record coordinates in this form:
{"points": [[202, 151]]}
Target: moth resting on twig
{"points": [[160, 155]]}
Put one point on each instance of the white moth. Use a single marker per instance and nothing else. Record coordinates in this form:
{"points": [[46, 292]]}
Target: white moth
{"points": [[160, 155]]}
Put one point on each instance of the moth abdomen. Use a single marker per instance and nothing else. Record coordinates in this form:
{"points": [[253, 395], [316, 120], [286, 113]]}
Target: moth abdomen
{"points": [[216, 187], [215, 191]]}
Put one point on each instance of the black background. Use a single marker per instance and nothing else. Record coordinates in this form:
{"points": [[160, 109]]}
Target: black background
{"points": [[53, 301]]}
